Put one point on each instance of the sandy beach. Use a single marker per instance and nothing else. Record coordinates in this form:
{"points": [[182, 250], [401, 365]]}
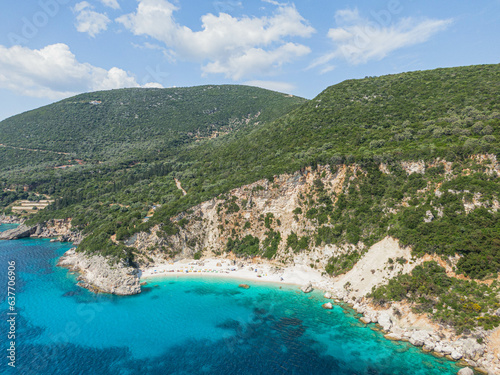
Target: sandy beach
{"points": [[296, 275]]}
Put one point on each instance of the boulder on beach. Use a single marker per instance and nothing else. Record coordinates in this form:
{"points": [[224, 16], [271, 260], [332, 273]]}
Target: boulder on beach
{"points": [[327, 295], [308, 288], [244, 286], [466, 371], [327, 306]]}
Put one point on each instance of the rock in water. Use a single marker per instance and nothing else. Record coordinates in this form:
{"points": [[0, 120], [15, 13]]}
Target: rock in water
{"points": [[466, 371], [328, 295], [244, 286], [308, 288], [327, 306], [22, 231]]}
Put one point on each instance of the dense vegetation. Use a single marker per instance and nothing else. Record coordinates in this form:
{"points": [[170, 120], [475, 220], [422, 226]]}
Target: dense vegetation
{"points": [[459, 303], [140, 123], [135, 142]]}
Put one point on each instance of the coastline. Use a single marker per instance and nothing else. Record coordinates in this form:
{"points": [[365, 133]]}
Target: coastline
{"points": [[417, 329], [298, 275]]}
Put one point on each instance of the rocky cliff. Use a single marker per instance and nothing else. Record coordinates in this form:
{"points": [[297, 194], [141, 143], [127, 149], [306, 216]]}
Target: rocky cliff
{"points": [[101, 275]]}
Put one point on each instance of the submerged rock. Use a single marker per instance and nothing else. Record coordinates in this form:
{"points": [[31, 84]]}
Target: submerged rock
{"points": [[244, 286]]}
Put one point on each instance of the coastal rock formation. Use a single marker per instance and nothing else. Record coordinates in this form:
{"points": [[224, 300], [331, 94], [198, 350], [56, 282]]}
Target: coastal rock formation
{"points": [[418, 338], [8, 219], [60, 230], [22, 231], [307, 288], [100, 275], [385, 321], [466, 371]]}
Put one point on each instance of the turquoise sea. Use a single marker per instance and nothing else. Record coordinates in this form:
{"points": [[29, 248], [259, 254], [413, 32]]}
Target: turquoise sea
{"points": [[185, 326]]}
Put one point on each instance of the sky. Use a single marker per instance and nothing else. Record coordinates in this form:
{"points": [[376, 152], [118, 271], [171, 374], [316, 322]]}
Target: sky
{"points": [[54, 49]]}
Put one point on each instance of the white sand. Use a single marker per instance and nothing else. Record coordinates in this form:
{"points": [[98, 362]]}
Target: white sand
{"points": [[297, 275]]}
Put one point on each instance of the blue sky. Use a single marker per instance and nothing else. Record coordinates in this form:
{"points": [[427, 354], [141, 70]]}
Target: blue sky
{"points": [[52, 49]]}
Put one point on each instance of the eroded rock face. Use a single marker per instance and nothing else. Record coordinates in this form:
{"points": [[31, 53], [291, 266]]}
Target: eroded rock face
{"points": [[100, 275], [22, 231]]}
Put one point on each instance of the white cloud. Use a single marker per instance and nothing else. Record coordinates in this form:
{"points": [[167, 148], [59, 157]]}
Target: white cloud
{"points": [[89, 21], [224, 41], [111, 3], [272, 85], [256, 60], [55, 73], [359, 40]]}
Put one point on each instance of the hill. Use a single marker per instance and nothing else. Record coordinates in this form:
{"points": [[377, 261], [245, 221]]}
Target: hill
{"points": [[134, 124]]}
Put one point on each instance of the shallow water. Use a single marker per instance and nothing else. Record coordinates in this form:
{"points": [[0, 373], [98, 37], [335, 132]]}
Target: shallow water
{"points": [[182, 325]]}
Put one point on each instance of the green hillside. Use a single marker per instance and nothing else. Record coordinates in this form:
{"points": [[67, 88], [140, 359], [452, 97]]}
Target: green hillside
{"points": [[130, 124], [444, 112]]}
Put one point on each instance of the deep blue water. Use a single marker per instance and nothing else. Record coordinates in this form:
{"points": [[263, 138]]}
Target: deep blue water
{"points": [[186, 326]]}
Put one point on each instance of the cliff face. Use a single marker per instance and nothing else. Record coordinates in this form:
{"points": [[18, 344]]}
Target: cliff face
{"points": [[284, 215], [252, 210]]}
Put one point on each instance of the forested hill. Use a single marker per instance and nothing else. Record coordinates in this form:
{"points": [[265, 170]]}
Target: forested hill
{"points": [[133, 122], [449, 114], [425, 114]]}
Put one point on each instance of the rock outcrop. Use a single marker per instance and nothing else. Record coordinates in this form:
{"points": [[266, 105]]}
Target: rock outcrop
{"points": [[22, 231], [100, 275], [9, 219], [60, 230]]}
